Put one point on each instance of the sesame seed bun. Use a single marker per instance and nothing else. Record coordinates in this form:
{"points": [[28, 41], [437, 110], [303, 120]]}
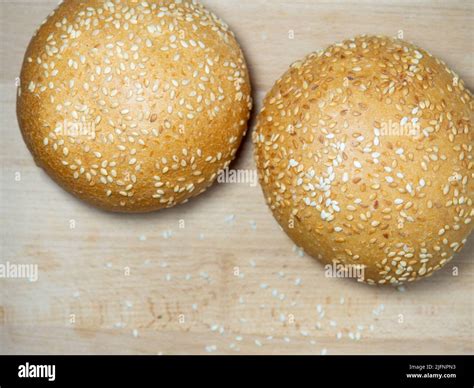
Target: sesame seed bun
{"points": [[365, 157], [133, 106]]}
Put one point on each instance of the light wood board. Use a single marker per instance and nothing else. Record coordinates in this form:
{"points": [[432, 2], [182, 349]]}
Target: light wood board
{"points": [[182, 294]]}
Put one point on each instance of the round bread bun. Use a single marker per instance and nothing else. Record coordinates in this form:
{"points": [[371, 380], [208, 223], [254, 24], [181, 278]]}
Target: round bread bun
{"points": [[365, 157], [133, 106]]}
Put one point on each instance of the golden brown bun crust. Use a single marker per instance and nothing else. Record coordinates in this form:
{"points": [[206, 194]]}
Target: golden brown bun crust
{"points": [[351, 189], [133, 106]]}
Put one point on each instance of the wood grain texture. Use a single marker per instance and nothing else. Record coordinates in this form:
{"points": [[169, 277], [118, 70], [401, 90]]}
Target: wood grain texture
{"points": [[182, 294]]}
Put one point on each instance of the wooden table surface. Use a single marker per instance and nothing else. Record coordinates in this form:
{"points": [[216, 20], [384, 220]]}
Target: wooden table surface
{"points": [[216, 275]]}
